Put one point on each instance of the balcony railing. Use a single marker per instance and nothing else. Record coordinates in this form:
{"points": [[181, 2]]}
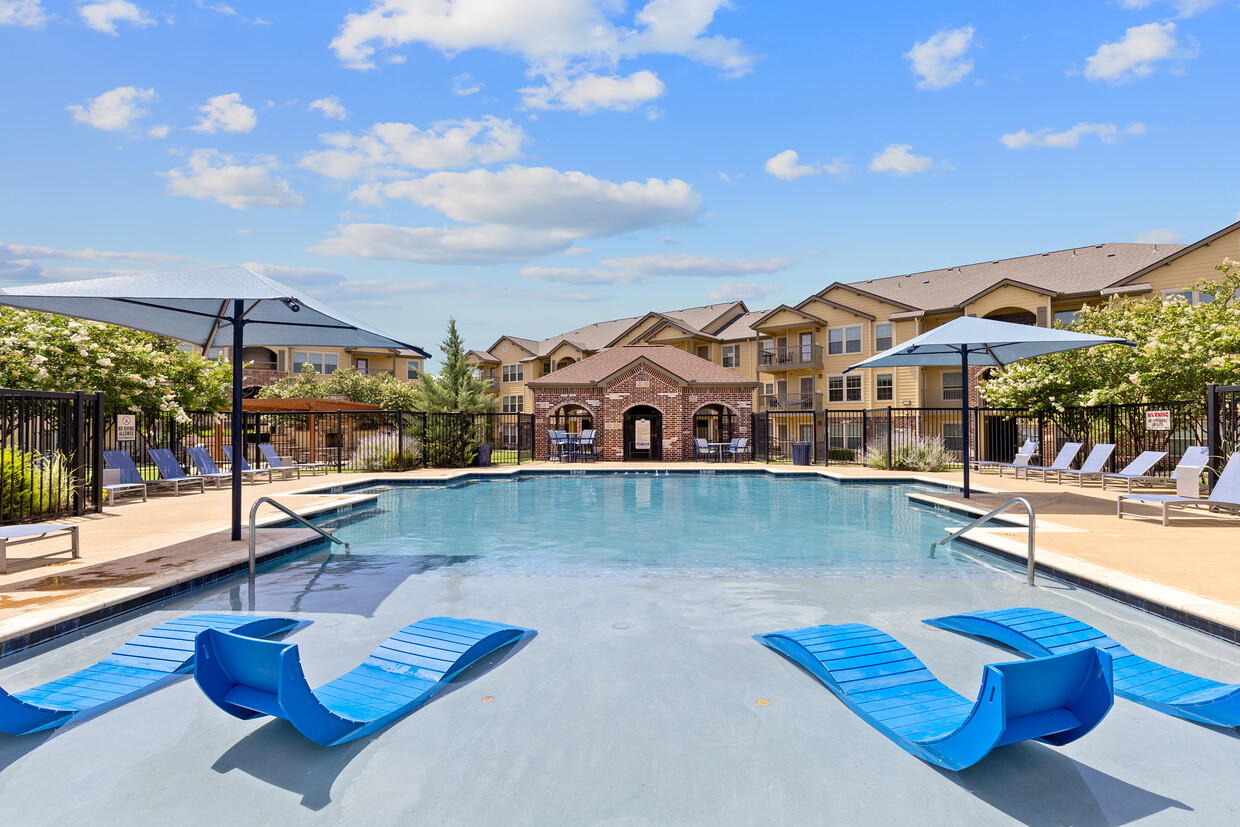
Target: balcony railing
{"points": [[791, 358], [790, 402]]}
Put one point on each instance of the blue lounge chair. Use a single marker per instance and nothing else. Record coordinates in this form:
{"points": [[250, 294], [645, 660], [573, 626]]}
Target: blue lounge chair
{"points": [[278, 462], [146, 662], [251, 474], [208, 470], [121, 461], [1226, 494], [1062, 460], [1098, 456], [169, 468], [1055, 699], [1194, 457], [14, 535], [246, 677], [1037, 633], [1026, 451]]}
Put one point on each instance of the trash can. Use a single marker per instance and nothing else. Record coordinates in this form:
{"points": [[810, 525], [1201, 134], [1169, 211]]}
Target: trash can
{"points": [[800, 453], [484, 454]]}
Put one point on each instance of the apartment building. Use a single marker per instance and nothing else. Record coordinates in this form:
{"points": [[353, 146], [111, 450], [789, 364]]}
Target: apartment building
{"points": [[268, 365]]}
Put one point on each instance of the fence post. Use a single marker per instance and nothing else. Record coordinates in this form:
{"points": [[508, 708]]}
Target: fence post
{"points": [[865, 430], [890, 438], [400, 439], [79, 458], [1041, 439], [339, 441], [1213, 434], [1111, 463], [96, 460]]}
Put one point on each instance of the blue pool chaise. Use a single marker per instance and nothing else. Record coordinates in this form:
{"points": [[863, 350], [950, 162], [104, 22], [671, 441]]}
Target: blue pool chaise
{"points": [[1054, 699], [247, 677], [1038, 632], [144, 663]]}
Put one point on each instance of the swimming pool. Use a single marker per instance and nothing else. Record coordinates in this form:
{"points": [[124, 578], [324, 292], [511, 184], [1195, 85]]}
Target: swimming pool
{"points": [[638, 702]]}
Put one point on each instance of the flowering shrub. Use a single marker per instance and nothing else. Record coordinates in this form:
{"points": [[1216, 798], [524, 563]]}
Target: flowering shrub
{"points": [[378, 453], [912, 452]]}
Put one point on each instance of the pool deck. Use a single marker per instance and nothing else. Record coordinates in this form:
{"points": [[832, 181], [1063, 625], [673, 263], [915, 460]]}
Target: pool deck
{"points": [[139, 550]]}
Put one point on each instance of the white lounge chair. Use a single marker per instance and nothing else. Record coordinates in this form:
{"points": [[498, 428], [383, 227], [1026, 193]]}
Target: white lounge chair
{"points": [[1062, 460], [13, 535], [1022, 458], [1226, 494], [1092, 466], [1194, 457]]}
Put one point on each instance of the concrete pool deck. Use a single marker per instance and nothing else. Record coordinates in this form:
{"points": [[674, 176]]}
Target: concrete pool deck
{"points": [[168, 543]]}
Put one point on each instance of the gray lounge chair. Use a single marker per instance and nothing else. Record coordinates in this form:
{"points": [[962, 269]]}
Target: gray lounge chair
{"points": [[251, 474], [1026, 451], [1062, 460], [121, 461], [1092, 466], [1226, 494], [13, 535], [1194, 457], [280, 463]]}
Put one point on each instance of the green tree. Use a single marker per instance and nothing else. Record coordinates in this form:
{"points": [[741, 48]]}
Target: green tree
{"points": [[383, 389], [135, 370], [457, 387], [1180, 347]]}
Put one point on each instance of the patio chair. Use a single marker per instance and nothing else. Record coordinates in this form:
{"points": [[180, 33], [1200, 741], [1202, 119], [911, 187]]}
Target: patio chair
{"points": [[15, 535], [280, 463], [585, 445], [208, 470], [1062, 460], [252, 474], [1026, 451], [557, 445], [121, 461], [1194, 457], [1092, 466], [702, 448], [1038, 632], [169, 468], [1226, 494], [1133, 470], [1055, 699], [739, 448], [113, 486], [247, 677]]}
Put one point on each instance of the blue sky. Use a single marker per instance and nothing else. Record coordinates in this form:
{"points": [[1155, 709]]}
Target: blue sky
{"points": [[531, 166]]}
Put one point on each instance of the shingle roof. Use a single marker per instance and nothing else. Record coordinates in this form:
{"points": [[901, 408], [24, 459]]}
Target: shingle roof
{"points": [[685, 366], [1064, 272], [740, 327]]}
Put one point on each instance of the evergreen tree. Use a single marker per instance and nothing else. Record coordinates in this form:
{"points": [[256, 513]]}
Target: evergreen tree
{"points": [[457, 387]]}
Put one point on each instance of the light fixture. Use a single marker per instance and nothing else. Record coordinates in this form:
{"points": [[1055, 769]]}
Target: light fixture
{"points": [[292, 305]]}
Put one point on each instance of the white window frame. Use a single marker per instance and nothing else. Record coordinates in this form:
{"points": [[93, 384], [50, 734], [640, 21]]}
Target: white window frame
{"points": [[879, 347], [513, 404], [838, 336], [513, 373], [835, 387], [413, 371], [1193, 297], [318, 360], [731, 356], [853, 388], [880, 388]]}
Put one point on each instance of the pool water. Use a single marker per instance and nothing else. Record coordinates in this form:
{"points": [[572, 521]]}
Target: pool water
{"points": [[661, 525]]}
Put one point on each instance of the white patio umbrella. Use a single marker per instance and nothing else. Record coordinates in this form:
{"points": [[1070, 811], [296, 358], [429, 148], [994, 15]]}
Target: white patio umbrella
{"points": [[207, 307], [970, 342]]}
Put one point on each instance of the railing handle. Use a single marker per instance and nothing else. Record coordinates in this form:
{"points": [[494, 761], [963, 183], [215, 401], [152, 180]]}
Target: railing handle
{"points": [[988, 515], [291, 513]]}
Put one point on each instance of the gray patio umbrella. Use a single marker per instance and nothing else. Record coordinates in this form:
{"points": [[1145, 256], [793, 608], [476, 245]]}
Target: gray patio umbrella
{"points": [[970, 342], [207, 307]]}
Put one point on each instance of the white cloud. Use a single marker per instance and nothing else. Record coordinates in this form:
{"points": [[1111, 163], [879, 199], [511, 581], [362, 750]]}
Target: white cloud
{"points": [[330, 107], [685, 264], [20, 263], [1136, 55], [940, 62], [464, 84], [785, 166], [1186, 8], [516, 214], [113, 110], [10, 252], [103, 17], [390, 150], [21, 13], [159, 131], [1163, 235], [578, 275], [899, 159], [1107, 133], [225, 112], [211, 176], [564, 42], [740, 291], [589, 92]]}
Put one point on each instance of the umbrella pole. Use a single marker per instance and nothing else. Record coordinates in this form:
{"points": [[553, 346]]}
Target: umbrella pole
{"points": [[237, 418], [964, 415]]}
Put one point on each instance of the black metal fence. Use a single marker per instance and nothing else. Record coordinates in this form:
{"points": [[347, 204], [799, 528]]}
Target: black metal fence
{"points": [[50, 454], [1223, 418]]}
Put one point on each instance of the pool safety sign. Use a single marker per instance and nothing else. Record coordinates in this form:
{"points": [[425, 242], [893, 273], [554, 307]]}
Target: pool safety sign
{"points": [[1158, 420], [641, 434], [126, 427]]}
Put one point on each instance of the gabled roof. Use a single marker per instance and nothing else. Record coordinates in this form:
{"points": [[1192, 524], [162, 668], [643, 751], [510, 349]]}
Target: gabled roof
{"points": [[483, 356], [741, 327], [1177, 253], [783, 308], [817, 297], [600, 368]]}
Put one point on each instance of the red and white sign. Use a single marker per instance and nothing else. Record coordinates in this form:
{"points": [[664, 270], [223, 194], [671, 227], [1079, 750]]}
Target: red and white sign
{"points": [[1158, 420]]}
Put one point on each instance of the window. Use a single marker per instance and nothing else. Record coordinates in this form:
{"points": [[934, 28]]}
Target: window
{"points": [[884, 387], [807, 348], [770, 389], [511, 435], [852, 388], [514, 373], [513, 404], [952, 386], [1067, 318], [844, 340], [703, 352], [411, 370], [729, 356], [323, 363], [1190, 296], [835, 389], [845, 435], [882, 337]]}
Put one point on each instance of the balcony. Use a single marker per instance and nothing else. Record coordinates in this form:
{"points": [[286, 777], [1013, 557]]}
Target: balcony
{"points": [[790, 358], [790, 402], [943, 397]]}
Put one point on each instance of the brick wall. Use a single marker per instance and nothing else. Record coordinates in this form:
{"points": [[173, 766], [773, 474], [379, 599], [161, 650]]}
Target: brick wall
{"points": [[640, 385]]}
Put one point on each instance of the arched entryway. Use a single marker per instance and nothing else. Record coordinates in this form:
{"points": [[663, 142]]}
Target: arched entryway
{"points": [[643, 433], [1013, 315], [714, 423], [565, 362], [571, 418], [260, 358]]}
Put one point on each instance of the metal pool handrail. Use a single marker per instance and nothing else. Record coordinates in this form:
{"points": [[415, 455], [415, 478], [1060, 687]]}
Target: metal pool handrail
{"points": [[295, 516], [1015, 501]]}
